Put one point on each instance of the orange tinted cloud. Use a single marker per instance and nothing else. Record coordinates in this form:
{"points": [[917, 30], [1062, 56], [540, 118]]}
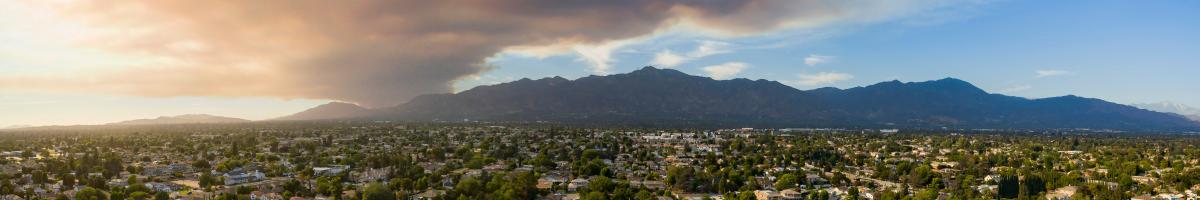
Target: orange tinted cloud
{"points": [[375, 53]]}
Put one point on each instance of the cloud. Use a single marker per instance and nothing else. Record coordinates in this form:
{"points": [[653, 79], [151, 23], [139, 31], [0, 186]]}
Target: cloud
{"points": [[1015, 89], [725, 70], [708, 48], [814, 59], [668, 59], [599, 56], [374, 53], [822, 78], [1049, 73]]}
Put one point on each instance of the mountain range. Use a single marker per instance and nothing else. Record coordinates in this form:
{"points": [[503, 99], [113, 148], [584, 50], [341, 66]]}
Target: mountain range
{"points": [[669, 98], [182, 119], [666, 97]]}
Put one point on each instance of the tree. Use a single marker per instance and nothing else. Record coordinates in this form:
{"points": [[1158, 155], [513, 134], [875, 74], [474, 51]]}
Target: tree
{"points": [[927, 194], [138, 188], [139, 195], [680, 177], [39, 177], [1033, 185], [243, 190], [116, 195], [594, 196], [329, 186], [67, 180], [921, 176], [1008, 186], [98, 182], [521, 186], [600, 184], [90, 193], [112, 167], [822, 194], [206, 180], [644, 195], [468, 186], [133, 180], [936, 183], [376, 191], [201, 164], [228, 196], [787, 181], [162, 196]]}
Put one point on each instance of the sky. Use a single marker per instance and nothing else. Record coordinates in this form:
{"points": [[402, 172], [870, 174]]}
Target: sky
{"points": [[67, 62]]}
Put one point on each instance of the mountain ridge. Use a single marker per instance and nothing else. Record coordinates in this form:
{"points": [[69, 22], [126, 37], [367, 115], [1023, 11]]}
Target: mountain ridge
{"points": [[331, 110], [667, 97], [182, 119]]}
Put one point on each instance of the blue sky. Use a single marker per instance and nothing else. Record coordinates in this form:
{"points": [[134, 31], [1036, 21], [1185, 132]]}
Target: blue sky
{"points": [[1121, 51]]}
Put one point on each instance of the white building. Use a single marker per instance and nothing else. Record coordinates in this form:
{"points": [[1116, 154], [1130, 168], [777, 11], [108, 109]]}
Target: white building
{"points": [[238, 177]]}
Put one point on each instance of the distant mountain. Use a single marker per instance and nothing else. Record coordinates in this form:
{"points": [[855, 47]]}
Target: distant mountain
{"points": [[17, 126], [1169, 107], [332, 110], [1172, 107], [665, 97], [183, 119]]}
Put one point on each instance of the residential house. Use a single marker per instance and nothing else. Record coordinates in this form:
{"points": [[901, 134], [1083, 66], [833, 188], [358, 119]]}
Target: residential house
{"points": [[239, 176], [767, 195]]}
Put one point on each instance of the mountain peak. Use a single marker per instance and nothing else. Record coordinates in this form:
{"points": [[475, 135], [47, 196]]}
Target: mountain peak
{"points": [[950, 85], [339, 104], [554, 80], [191, 116], [331, 110], [892, 83], [950, 80], [646, 68], [652, 71]]}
